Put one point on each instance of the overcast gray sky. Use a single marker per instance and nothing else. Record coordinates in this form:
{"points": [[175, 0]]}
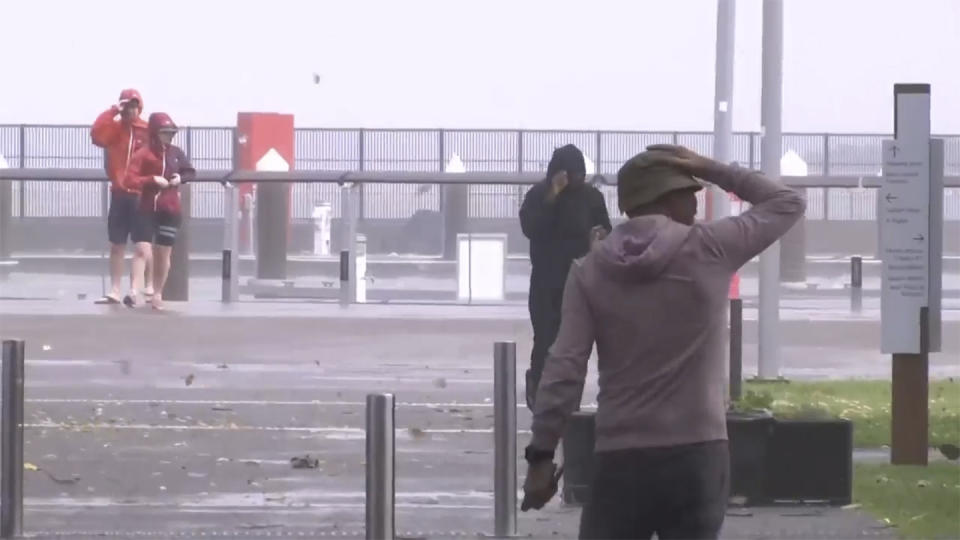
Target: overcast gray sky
{"points": [[597, 64]]}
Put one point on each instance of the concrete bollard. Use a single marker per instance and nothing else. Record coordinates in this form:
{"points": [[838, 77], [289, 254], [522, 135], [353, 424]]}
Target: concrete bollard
{"points": [[11, 442], [381, 460], [505, 439]]}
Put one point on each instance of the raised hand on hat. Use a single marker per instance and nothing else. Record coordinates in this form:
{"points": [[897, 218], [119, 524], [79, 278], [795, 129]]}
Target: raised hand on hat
{"points": [[683, 158]]}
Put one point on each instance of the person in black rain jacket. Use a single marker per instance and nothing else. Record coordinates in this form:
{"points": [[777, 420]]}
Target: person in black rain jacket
{"points": [[561, 215]]}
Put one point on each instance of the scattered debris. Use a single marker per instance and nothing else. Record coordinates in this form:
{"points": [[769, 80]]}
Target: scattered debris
{"points": [[47, 348], [223, 366], [27, 466], [853, 506], [189, 379], [440, 382], [304, 462], [223, 409], [923, 483], [738, 501], [950, 451], [163, 488], [416, 433], [63, 481]]}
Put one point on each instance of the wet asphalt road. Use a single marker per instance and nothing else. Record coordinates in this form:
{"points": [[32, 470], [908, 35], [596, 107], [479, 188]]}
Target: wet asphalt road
{"points": [[186, 423]]}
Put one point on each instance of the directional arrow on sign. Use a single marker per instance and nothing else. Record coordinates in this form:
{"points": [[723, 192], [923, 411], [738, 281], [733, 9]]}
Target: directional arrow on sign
{"points": [[890, 197], [918, 238]]}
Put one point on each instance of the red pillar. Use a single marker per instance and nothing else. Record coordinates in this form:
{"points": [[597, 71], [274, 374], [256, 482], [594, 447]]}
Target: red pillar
{"points": [[257, 134]]}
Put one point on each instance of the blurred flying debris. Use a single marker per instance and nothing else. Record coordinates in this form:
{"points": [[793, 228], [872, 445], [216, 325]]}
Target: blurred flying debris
{"points": [[440, 383], [189, 379], [223, 409], [47, 348], [223, 366], [950, 451], [416, 433], [27, 466], [304, 462], [124, 366]]}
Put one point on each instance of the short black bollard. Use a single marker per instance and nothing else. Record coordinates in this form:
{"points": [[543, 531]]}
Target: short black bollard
{"points": [[856, 284], [736, 349]]}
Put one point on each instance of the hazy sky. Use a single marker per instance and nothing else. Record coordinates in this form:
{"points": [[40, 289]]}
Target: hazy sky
{"points": [[597, 64]]}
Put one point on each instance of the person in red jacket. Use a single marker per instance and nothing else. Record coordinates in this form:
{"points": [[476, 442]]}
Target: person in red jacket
{"points": [[156, 171], [121, 132]]}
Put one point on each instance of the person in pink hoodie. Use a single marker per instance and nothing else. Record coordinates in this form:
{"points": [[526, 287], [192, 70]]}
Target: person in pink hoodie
{"points": [[651, 296], [156, 171]]}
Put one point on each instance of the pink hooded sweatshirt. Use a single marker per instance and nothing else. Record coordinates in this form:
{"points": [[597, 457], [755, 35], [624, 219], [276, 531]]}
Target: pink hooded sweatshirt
{"points": [[652, 297]]}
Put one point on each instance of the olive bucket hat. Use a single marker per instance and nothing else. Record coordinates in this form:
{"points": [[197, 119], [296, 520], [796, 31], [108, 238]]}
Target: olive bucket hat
{"points": [[644, 179]]}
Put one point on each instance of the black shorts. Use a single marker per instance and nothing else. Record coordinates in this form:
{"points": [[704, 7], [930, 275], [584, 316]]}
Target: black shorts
{"points": [[162, 228], [124, 219]]}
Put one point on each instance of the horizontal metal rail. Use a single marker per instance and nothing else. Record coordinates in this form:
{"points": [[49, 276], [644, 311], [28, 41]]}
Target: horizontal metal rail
{"points": [[406, 177]]}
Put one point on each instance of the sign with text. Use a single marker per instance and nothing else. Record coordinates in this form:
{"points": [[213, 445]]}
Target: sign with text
{"points": [[905, 198]]}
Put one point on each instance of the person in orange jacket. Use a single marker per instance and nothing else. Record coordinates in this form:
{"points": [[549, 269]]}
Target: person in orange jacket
{"points": [[156, 171], [120, 131]]}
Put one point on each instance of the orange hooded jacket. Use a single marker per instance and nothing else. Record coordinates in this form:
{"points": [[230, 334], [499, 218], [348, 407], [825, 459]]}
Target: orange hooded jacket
{"points": [[119, 139]]}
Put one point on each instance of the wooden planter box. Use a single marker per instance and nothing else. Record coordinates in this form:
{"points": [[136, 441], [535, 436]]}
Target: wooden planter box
{"points": [[771, 460], [749, 437], [810, 460]]}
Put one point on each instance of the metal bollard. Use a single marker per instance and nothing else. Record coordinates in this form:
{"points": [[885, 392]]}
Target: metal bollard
{"points": [[11, 453], [230, 291], [736, 349], [856, 284], [380, 467], [505, 439]]}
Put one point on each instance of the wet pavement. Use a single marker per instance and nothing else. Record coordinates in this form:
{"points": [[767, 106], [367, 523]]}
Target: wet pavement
{"points": [[183, 424]]}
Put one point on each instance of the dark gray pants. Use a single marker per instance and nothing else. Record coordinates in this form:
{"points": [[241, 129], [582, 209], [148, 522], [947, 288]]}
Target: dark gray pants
{"points": [[673, 492], [544, 304]]}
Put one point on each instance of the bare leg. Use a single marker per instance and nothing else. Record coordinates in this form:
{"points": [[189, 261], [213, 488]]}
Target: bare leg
{"points": [[141, 256], [161, 267], [148, 273], [117, 253]]}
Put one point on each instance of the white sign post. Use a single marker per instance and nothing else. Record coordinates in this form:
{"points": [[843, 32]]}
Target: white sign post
{"points": [[911, 249], [905, 251]]}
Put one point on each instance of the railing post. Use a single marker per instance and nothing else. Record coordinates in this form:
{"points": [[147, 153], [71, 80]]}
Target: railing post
{"points": [[381, 460], [23, 165], [505, 439], [11, 452], [826, 154], [599, 157], [230, 291]]}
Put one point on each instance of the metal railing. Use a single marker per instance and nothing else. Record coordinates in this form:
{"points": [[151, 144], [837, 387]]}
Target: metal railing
{"points": [[507, 151]]}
